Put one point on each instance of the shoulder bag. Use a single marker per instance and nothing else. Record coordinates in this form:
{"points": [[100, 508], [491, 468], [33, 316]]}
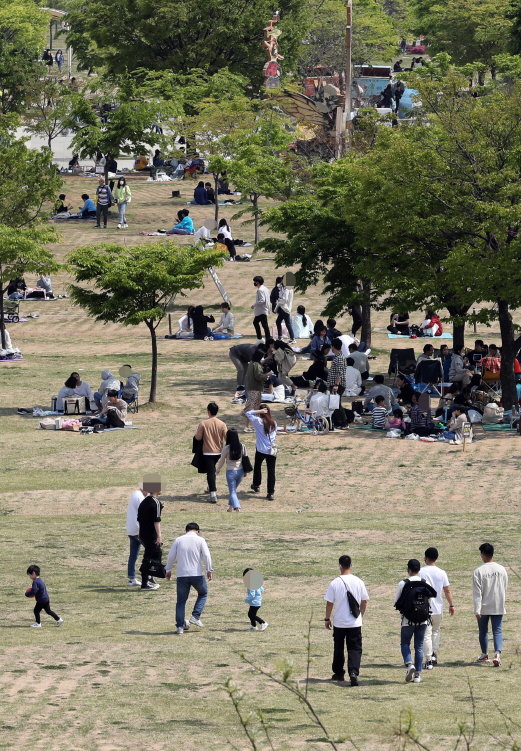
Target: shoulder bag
{"points": [[246, 464], [354, 605], [274, 449]]}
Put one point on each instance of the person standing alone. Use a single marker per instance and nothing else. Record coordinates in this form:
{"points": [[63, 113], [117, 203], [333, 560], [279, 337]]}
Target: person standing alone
{"points": [[439, 581], [348, 596], [261, 308], [490, 582], [149, 520], [212, 432]]}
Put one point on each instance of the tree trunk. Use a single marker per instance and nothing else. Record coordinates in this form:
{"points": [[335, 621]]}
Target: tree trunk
{"points": [[106, 173], [458, 329], [2, 324], [255, 201], [153, 380], [509, 350], [365, 336], [216, 188]]}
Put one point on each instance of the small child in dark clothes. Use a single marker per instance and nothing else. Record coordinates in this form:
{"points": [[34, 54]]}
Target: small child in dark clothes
{"points": [[39, 592], [254, 600]]}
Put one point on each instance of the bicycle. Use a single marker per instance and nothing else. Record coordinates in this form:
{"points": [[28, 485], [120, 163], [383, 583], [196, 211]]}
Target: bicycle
{"points": [[318, 425]]}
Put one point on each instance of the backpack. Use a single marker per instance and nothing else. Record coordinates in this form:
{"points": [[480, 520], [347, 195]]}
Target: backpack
{"points": [[413, 602]]}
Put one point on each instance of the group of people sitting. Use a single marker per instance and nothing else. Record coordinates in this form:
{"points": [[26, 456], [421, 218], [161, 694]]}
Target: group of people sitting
{"points": [[18, 290], [401, 324], [195, 322], [110, 401], [204, 195]]}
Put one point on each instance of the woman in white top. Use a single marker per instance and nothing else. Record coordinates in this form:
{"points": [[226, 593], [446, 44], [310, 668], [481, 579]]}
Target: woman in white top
{"points": [[225, 229], [302, 324], [232, 453], [227, 323], [82, 388], [68, 389], [266, 433], [185, 323]]}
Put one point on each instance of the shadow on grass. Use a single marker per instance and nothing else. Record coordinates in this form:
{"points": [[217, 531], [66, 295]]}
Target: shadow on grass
{"points": [[15, 626], [8, 411], [192, 498], [152, 633], [103, 589]]}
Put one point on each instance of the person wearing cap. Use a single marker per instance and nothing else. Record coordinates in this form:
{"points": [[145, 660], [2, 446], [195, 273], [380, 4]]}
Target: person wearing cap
{"points": [[190, 551], [149, 520], [133, 534], [438, 579]]}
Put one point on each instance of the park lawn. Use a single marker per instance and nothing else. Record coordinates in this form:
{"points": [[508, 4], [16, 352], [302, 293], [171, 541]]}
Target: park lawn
{"points": [[115, 675], [104, 680]]}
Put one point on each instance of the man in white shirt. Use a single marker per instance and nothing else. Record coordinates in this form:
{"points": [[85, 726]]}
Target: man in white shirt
{"points": [[133, 535], [347, 625], [353, 379], [439, 580], [190, 551], [261, 308], [489, 587], [407, 602], [361, 361]]}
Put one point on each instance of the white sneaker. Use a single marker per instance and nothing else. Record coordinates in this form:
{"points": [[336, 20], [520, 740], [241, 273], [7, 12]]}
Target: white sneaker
{"points": [[196, 621], [264, 626], [428, 665], [213, 498], [409, 673], [497, 660], [119, 226], [179, 630], [417, 678], [125, 226], [260, 341], [59, 621], [292, 341], [36, 625], [134, 583], [483, 658], [187, 625], [252, 628]]}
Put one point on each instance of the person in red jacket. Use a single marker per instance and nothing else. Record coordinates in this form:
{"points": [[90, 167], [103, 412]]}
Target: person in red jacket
{"points": [[432, 325]]}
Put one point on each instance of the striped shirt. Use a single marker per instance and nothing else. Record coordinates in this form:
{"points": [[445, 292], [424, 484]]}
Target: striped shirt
{"points": [[378, 417]]}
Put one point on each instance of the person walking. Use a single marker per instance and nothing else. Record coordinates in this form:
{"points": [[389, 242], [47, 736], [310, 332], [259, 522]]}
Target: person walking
{"points": [[59, 59], [347, 596], [254, 600], [439, 581], [282, 307], [266, 450], [233, 454], [123, 196], [412, 601], [489, 588], [39, 592], [261, 308], [355, 312], [212, 432], [133, 535], [336, 377], [105, 201], [190, 551], [149, 520]]}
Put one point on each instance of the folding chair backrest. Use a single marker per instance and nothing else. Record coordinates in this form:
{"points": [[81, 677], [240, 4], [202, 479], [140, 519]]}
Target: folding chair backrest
{"points": [[404, 358], [428, 371]]}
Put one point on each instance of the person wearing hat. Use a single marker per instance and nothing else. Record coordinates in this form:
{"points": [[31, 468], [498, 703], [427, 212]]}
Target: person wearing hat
{"points": [[149, 520]]}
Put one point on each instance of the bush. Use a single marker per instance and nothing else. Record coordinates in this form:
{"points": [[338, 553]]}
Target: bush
{"points": [[418, 49]]}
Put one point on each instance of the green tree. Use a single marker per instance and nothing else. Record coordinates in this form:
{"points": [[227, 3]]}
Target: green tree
{"points": [[181, 35], [23, 251], [134, 285], [49, 111]]}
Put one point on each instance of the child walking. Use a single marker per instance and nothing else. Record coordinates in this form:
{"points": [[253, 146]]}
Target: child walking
{"points": [[254, 600], [39, 591]]}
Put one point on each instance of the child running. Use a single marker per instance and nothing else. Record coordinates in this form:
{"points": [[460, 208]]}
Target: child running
{"points": [[39, 591], [254, 600]]}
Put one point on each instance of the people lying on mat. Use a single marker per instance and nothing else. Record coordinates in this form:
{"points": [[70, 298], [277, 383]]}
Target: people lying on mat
{"points": [[224, 243], [404, 390], [317, 369], [88, 210], [226, 323], [185, 322], [379, 389], [200, 322], [185, 226], [114, 411], [108, 382], [431, 326], [82, 388], [68, 389], [399, 324], [273, 390]]}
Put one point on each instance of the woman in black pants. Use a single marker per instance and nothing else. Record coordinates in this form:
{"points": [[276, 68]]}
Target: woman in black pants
{"points": [[266, 433]]}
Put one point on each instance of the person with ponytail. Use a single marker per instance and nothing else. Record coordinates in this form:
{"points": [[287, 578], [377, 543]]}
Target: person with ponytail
{"points": [[232, 454], [266, 433], [302, 324]]}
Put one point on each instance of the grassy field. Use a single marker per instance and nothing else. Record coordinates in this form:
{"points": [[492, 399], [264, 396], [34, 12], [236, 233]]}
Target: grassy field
{"points": [[115, 676]]}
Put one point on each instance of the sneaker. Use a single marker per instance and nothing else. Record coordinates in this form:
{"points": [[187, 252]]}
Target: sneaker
{"points": [[179, 630], [354, 679], [337, 677], [149, 587], [187, 625], [152, 581], [428, 665], [252, 628], [409, 673], [497, 660], [417, 678], [125, 226], [264, 626], [249, 430], [260, 341], [434, 659], [134, 583], [119, 226], [270, 497], [59, 621], [196, 621], [96, 226], [255, 488], [213, 498], [483, 658], [292, 341], [36, 625]]}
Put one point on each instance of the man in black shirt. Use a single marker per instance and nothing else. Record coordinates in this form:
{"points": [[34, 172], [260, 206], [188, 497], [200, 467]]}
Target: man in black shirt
{"points": [[399, 324], [149, 520], [356, 314], [241, 356]]}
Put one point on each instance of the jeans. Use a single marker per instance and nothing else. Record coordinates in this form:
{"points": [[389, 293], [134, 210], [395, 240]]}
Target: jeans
{"points": [[122, 207], [102, 210], [257, 470], [16, 296], [497, 622], [431, 642], [449, 435], [351, 638], [135, 546], [234, 477], [210, 461], [241, 368], [419, 634], [282, 316], [252, 615], [183, 590], [97, 399], [259, 321], [175, 231]]}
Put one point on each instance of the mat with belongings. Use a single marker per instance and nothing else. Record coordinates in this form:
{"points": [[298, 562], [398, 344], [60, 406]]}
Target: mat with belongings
{"points": [[423, 338], [499, 426]]}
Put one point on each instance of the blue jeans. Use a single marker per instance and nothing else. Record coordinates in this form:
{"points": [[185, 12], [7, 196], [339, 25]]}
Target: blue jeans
{"points": [[497, 622], [122, 207], [449, 435], [234, 478], [183, 590], [97, 399], [135, 546], [419, 633], [16, 296]]}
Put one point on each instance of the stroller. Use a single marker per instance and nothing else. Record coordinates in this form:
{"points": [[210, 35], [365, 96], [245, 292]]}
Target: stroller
{"points": [[11, 311]]}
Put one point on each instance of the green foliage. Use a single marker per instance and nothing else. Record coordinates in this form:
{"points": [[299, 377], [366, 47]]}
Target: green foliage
{"points": [[374, 34], [133, 285], [50, 109], [181, 35]]}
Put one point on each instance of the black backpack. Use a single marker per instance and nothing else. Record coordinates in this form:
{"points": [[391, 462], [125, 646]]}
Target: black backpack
{"points": [[413, 602]]}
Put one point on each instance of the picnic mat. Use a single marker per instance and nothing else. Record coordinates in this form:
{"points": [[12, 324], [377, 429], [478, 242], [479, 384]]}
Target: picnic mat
{"points": [[20, 359], [127, 427], [427, 338], [366, 427], [499, 426]]}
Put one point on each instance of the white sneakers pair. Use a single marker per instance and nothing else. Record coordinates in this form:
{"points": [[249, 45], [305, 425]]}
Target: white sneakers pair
{"points": [[496, 661], [39, 625], [412, 675], [193, 621], [124, 226], [263, 627]]}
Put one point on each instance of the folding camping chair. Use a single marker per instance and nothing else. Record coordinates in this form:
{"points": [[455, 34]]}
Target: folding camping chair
{"points": [[403, 362], [492, 381], [429, 373]]}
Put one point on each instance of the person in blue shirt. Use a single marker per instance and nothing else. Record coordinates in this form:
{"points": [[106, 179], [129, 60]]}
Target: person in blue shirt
{"points": [[200, 195], [88, 210], [254, 600], [185, 226], [39, 592]]}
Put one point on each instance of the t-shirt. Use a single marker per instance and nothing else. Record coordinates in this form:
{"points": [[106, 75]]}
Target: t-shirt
{"points": [[378, 417], [336, 593], [149, 512], [132, 511], [400, 325], [438, 579]]}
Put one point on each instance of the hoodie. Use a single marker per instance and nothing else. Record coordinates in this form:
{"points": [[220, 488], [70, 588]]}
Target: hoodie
{"points": [[131, 388], [108, 382], [254, 597]]}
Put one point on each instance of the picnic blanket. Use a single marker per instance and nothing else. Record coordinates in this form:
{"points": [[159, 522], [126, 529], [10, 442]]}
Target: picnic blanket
{"points": [[154, 234], [191, 338], [499, 426], [423, 338], [18, 359]]}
